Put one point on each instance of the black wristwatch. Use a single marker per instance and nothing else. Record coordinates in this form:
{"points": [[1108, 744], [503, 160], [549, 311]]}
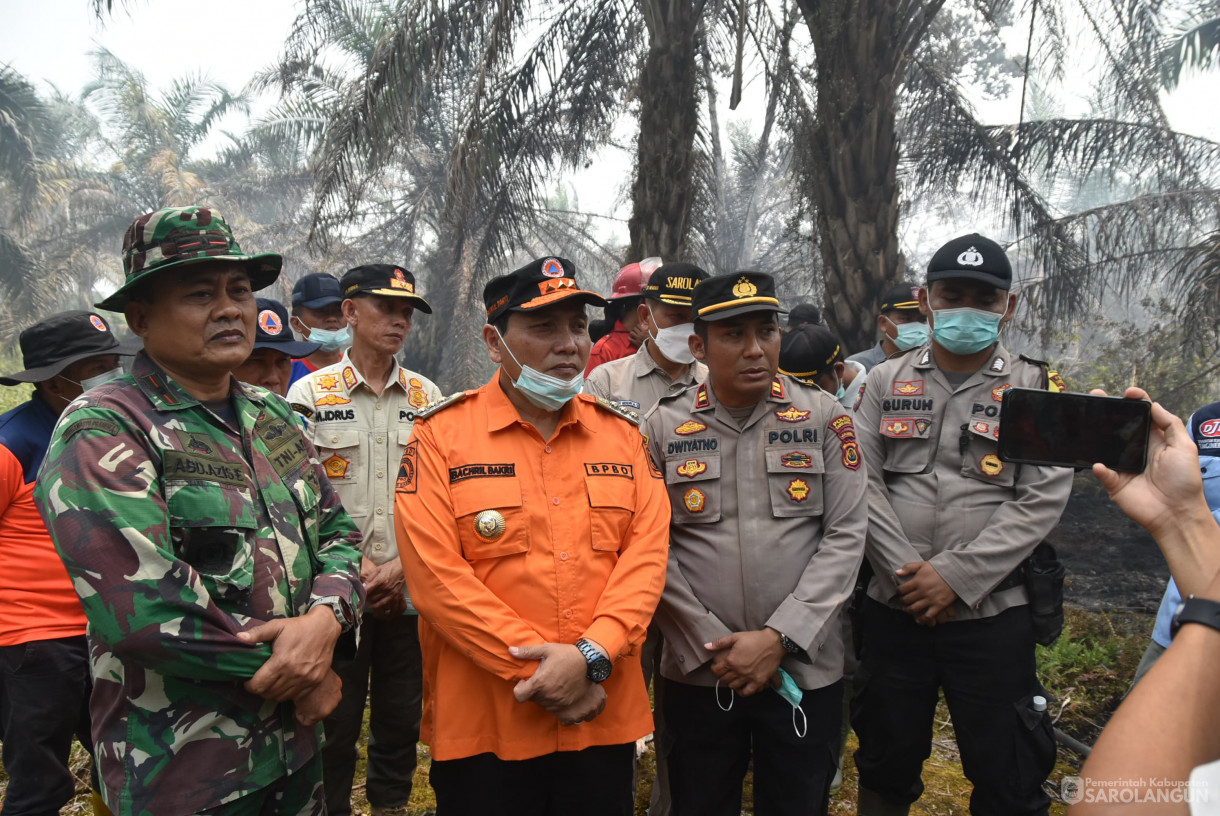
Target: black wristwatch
{"points": [[599, 665], [790, 645], [1195, 610]]}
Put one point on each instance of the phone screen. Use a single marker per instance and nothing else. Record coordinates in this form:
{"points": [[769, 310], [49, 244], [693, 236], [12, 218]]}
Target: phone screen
{"points": [[1074, 430]]}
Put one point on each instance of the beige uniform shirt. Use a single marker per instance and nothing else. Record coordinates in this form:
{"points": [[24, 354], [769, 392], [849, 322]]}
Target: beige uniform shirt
{"points": [[636, 382], [360, 438], [938, 491], [768, 526]]}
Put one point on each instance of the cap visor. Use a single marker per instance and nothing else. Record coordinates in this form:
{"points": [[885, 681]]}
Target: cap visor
{"points": [[320, 303], [672, 300], [970, 274], [296, 349], [263, 269], [416, 301], [550, 298], [46, 372], [764, 305]]}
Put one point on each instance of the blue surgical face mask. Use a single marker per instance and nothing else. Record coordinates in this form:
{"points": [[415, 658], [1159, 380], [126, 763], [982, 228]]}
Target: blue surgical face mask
{"points": [[331, 339], [547, 392], [790, 691], [965, 331], [910, 335], [841, 391]]}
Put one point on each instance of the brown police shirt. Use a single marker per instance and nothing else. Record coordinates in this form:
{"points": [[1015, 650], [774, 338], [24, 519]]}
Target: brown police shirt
{"points": [[768, 525], [938, 491]]}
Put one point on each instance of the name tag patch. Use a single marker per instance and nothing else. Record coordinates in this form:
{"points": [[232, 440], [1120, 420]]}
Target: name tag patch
{"points": [[608, 469], [482, 471]]}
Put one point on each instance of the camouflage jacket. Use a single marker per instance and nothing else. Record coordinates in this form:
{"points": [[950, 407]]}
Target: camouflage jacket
{"points": [[179, 532]]}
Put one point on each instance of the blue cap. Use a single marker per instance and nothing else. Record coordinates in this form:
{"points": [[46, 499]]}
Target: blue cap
{"points": [[316, 291], [271, 330]]}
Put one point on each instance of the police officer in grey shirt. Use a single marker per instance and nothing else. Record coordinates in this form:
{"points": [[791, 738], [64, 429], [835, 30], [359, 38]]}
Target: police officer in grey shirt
{"points": [[664, 363], [950, 524], [767, 487], [902, 326]]}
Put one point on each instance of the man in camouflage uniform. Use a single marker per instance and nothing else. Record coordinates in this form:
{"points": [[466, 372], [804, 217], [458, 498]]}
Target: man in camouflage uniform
{"points": [[214, 562]]}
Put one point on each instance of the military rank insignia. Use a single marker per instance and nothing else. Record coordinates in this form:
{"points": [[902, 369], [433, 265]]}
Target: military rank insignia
{"points": [[349, 377]]}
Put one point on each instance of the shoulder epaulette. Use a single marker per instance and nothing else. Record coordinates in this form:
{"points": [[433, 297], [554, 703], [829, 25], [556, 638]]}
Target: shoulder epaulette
{"points": [[614, 408], [1054, 382], [447, 402]]}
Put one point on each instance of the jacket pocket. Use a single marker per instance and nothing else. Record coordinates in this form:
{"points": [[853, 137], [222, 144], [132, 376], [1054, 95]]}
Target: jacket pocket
{"points": [[693, 484], [794, 480], [611, 505], [490, 518], [908, 442], [213, 531]]}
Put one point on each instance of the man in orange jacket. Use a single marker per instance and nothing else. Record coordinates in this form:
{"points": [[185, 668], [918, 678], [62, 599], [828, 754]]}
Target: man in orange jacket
{"points": [[533, 531]]}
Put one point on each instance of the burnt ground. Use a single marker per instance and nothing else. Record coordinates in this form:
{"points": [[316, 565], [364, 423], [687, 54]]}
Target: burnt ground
{"points": [[1111, 562]]}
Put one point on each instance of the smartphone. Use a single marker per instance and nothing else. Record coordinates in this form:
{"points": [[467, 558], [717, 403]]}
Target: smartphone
{"points": [[1074, 430]]}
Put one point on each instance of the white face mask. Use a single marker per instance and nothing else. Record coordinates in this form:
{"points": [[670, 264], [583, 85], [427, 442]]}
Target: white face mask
{"points": [[674, 342], [100, 379], [547, 392]]}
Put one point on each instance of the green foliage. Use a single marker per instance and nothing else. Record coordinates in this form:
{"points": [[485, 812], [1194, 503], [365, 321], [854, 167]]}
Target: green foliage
{"points": [[1158, 355], [1089, 669]]}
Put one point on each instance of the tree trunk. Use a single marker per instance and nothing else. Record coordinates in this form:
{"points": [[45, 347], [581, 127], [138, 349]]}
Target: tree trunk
{"points": [[851, 168], [669, 118]]}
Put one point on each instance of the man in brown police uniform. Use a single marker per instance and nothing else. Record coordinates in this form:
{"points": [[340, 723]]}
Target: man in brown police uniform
{"points": [[950, 524], [767, 488], [663, 365]]}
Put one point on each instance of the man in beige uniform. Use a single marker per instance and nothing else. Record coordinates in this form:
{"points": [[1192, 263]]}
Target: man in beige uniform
{"points": [[768, 494], [949, 527], [360, 414], [664, 363]]}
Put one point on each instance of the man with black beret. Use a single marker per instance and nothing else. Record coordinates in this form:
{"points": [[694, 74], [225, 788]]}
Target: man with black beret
{"points": [[901, 324], [533, 531], [767, 491], [361, 410], [44, 660], [950, 525], [270, 365]]}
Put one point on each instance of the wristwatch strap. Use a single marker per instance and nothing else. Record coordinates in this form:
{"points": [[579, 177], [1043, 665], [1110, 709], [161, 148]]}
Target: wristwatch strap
{"points": [[1196, 610]]}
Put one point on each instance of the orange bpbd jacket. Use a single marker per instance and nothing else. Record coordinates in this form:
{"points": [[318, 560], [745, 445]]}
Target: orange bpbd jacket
{"points": [[582, 553]]}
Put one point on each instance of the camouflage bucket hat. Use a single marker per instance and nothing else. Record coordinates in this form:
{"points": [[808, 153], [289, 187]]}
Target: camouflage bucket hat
{"points": [[179, 236]]}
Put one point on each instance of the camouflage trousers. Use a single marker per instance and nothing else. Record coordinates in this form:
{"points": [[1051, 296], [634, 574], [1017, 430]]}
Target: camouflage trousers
{"points": [[298, 794]]}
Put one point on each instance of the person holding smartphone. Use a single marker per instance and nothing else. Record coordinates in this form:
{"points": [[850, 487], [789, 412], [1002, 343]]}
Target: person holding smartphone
{"points": [[950, 525]]}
